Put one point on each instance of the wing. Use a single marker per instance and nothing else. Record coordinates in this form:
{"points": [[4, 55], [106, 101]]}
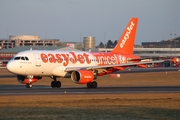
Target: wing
{"points": [[117, 66]]}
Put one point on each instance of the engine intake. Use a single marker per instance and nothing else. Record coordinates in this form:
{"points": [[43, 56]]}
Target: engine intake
{"points": [[82, 76]]}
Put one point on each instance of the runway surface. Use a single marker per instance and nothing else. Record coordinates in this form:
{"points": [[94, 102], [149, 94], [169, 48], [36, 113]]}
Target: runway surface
{"points": [[46, 90]]}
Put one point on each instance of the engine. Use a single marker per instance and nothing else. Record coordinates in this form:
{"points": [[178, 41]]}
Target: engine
{"points": [[82, 76], [27, 79], [176, 60]]}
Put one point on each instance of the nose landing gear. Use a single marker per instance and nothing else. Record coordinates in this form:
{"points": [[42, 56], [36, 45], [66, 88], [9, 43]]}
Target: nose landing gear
{"points": [[29, 85]]}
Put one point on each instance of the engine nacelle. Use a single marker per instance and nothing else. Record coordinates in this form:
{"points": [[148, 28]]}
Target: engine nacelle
{"points": [[82, 76], [176, 60], [26, 80]]}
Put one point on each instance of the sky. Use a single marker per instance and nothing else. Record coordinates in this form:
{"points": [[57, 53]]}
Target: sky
{"points": [[71, 20]]}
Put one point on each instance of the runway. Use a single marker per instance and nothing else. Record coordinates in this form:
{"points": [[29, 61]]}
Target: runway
{"points": [[46, 90]]}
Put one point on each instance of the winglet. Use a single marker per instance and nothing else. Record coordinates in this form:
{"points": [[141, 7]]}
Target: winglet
{"points": [[125, 44]]}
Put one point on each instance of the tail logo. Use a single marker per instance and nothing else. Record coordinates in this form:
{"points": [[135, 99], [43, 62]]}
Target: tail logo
{"points": [[126, 36]]}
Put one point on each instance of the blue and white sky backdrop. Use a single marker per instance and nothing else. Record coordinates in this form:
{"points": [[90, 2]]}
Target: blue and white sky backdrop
{"points": [[71, 20]]}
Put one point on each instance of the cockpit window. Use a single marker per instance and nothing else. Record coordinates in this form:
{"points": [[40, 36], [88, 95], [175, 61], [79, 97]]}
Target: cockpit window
{"points": [[21, 58], [17, 58], [26, 58]]}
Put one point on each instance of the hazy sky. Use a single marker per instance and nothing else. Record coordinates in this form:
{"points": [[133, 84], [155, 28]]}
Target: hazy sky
{"points": [[67, 20]]}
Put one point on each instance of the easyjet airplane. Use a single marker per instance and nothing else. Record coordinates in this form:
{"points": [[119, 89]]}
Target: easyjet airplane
{"points": [[82, 67]]}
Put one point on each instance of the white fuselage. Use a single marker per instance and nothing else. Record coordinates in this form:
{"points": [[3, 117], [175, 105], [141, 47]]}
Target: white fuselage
{"points": [[54, 63], [47, 63]]}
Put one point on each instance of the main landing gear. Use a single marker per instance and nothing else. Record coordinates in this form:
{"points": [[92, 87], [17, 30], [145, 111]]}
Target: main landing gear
{"points": [[92, 84], [55, 83]]}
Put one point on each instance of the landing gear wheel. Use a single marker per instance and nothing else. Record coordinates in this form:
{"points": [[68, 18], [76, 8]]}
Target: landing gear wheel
{"points": [[89, 85], [29, 85], [92, 84], [55, 84], [58, 84]]}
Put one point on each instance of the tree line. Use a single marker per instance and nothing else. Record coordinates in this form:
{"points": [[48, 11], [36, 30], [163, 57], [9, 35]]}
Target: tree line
{"points": [[109, 44]]}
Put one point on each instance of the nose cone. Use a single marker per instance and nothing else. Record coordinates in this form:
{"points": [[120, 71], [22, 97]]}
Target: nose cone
{"points": [[11, 67]]}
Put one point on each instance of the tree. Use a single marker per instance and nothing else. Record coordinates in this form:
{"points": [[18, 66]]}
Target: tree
{"points": [[101, 45], [115, 43], [110, 44]]}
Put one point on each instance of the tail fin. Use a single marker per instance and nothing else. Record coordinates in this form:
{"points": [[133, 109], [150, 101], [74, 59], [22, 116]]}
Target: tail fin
{"points": [[125, 44]]}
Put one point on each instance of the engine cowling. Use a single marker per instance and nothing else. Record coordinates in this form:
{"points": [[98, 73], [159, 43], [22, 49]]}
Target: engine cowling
{"points": [[25, 79], [82, 76], [176, 60]]}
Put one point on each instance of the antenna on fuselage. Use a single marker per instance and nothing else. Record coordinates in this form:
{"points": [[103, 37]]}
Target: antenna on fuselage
{"points": [[30, 48], [90, 50]]}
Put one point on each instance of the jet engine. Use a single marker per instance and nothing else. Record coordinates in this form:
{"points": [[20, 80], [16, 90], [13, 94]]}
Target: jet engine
{"points": [[82, 76], [176, 60], [27, 79]]}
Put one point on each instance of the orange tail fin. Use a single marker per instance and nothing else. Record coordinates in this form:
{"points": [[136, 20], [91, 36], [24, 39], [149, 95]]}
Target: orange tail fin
{"points": [[125, 44]]}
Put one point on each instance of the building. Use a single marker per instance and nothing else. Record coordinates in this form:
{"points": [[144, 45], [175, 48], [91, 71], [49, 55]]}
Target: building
{"points": [[26, 40], [89, 42], [172, 43], [77, 45]]}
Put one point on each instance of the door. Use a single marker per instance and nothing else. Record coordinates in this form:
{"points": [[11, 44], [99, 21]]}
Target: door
{"points": [[38, 60]]}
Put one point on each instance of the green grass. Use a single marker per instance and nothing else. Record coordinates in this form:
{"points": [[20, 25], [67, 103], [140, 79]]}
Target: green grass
{"points": [[115, 112], [91, 107]]}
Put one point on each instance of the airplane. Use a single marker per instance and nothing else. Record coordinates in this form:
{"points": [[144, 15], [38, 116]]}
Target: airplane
{"points": [[81, 66]]}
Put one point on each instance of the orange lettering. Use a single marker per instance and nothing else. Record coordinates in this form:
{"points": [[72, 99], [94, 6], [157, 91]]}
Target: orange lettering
{"points": [[59, 59], [80, 58], [66, 59], [87, 58], [74, 56], [44, 57], [52, 58]]}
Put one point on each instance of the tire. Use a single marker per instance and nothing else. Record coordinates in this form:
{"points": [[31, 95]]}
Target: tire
{"points": [[94, 84], [53, 84], [89, 85], [30, 85], [27, 85], [58, 84]]}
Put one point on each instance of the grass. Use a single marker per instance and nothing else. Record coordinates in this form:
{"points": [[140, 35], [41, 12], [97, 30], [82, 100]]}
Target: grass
{"points": [[138, 106], [164, 106]]}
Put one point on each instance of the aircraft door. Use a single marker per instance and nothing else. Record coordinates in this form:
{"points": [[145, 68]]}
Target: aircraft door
{"points": [[38, 60]]}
